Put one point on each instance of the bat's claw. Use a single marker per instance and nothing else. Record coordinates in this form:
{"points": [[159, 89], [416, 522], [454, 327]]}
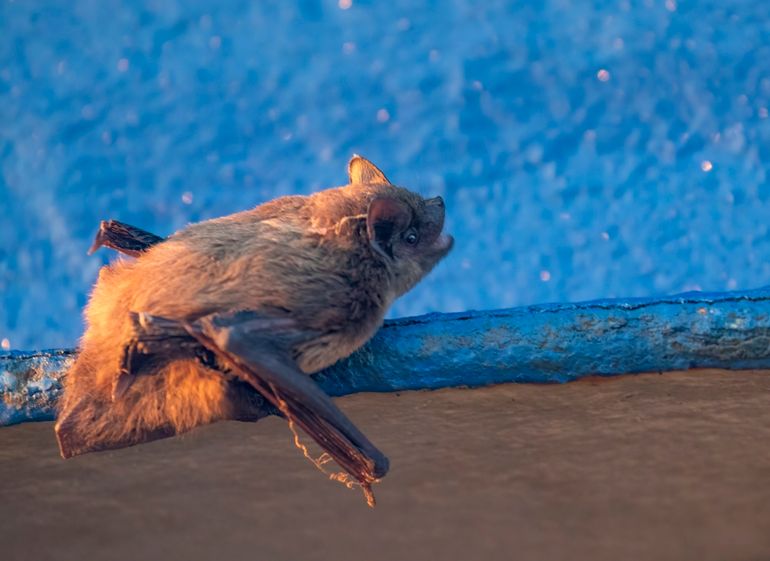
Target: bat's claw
{"points": [[124, 238], [130, 365], [121, 385], [99, 239]]}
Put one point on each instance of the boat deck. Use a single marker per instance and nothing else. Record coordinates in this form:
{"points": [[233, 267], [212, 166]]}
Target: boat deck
{"points": [[673, 466]]}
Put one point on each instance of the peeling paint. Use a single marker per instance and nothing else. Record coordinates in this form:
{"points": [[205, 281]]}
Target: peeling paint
{"points": [[30, 384]]}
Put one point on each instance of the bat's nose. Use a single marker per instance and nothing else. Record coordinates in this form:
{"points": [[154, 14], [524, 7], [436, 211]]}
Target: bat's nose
{"points": [[438, 201]]}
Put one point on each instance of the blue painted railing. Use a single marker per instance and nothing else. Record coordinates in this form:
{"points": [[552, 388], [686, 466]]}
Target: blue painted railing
{"points": [[543, 343]]}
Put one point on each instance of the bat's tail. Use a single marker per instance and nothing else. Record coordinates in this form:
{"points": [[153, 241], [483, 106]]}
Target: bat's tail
{"points": [[87, 421], [73, 409], [174, 400]]}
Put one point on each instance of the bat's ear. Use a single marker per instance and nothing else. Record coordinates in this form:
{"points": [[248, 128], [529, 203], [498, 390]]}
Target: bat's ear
{"points": [[386, 219], [361, 170]]}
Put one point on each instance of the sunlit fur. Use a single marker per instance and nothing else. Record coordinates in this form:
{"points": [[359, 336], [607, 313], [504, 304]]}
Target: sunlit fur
{"points": [[307, 256]]}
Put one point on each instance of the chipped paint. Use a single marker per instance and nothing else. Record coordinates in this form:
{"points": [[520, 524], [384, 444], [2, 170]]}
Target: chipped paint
{"points": [[30, 384]]}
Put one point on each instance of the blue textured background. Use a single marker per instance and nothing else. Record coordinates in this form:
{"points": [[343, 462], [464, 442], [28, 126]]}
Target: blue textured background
{"points": [[569, 139]]}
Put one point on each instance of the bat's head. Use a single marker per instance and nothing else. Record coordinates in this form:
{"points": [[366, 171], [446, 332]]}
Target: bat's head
{"points": [[404, 229]]}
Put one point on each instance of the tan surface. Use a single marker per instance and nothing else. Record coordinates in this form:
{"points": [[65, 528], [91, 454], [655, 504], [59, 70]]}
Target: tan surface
{"points": [[673, 466]]}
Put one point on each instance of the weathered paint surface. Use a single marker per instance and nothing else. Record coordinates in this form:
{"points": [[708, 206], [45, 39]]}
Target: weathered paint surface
{"points": [[544, 343], [30, 384]]}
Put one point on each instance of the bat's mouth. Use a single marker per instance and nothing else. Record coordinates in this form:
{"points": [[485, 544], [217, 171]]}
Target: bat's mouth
{"points": [[440, 247], [444, 243]]}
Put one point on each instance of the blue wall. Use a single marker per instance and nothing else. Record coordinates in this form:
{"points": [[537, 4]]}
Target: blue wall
{"points": [[569, 139]]}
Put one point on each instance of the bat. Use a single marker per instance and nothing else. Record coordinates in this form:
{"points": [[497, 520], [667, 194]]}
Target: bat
{"points": [[228, 316]]}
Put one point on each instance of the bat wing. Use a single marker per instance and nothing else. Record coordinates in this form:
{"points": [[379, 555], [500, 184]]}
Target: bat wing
{"points": [[124, 238], [257, 350]]}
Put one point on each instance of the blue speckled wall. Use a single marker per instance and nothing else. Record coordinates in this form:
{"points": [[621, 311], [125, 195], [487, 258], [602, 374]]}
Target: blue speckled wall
{"points": [[585, 149]]}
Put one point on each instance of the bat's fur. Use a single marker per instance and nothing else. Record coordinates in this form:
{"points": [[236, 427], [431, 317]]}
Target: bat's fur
{"points": [[309, 257]]}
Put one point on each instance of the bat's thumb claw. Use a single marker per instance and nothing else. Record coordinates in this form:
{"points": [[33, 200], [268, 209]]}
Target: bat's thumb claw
{"points": [[98, 240]]}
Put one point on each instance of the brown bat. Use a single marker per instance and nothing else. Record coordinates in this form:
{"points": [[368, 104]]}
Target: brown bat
{"points": [[168, 346]]}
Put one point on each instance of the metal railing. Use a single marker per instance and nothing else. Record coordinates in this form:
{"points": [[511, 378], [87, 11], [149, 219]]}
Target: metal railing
{"points": [[541, 343]]}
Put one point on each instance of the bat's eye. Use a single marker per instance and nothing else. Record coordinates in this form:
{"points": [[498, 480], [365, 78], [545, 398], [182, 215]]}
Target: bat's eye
{"points": [[411, 237]]}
